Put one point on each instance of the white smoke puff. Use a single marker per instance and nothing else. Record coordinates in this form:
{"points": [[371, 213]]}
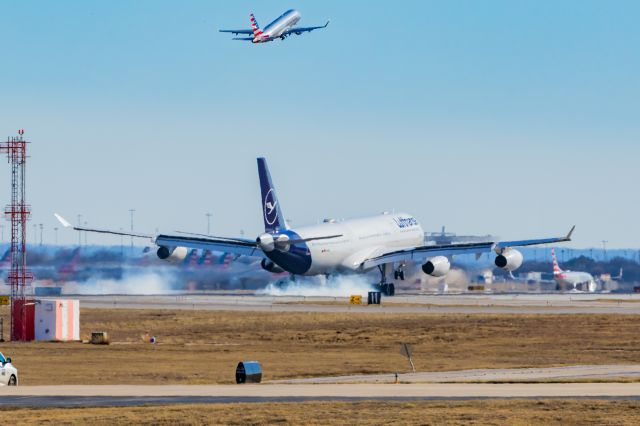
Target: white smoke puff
{"points": [[142, 284], [335, 286]]}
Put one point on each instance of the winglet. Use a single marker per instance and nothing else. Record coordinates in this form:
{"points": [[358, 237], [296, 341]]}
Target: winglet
{"points": [[62, 220], [568, 237], [327, 24]]}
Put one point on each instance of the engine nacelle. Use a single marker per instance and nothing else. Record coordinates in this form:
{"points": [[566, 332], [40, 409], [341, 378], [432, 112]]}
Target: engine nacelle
{"points": [[437, 266], [268, 265], [509, 260], [172, 254], [266, 242]]}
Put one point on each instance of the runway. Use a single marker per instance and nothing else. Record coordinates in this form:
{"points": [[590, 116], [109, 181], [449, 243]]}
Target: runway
{"points": [[439, 304], [130, 395]]}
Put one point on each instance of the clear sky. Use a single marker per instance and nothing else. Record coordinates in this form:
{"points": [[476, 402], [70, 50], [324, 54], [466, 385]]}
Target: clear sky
{"points": [[516, 118]]}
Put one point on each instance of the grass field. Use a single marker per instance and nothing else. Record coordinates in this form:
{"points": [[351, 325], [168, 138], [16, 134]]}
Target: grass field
{"points": [[516, 412], [199, 347]]}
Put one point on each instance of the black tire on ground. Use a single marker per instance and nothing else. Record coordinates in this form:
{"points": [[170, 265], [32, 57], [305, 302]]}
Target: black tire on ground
{"points": [[391, 291], [396, 275], [13, 381], [401, 274]]}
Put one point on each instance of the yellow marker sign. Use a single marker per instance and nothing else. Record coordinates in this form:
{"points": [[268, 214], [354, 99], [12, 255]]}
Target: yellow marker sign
{"points": [[4, 300], [355, 299]]}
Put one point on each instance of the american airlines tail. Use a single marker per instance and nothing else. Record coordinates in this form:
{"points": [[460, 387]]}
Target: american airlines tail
{"points": [[271, 213], [254, 26], [556, 268]]}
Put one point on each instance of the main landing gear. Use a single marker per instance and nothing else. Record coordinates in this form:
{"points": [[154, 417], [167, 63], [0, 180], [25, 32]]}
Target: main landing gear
{"points": [[388, 289]]}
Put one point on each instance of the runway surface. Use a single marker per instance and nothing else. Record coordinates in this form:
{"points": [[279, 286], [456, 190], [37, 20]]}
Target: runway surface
{"points": [[68, 396], [463, 303]]}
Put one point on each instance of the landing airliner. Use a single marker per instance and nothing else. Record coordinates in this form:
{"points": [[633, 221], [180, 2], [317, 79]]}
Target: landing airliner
{"points": [[281, 28], [387, 242]]}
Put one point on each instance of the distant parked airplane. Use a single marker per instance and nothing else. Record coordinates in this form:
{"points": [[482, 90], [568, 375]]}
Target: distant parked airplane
{"points": [[281, 28], [570, 280]]}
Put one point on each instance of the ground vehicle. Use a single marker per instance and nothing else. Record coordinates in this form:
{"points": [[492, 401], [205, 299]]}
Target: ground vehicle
{"points": [[8, 373]]}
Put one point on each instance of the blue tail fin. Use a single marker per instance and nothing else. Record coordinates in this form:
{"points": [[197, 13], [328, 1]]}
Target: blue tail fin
{"points": [[271, 213]]}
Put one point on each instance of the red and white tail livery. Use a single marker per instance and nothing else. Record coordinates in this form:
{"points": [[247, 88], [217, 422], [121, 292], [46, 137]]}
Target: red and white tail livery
{"points": [[557, 272], [257, 32]]}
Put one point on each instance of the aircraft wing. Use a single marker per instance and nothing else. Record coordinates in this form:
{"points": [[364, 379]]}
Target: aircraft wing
{"points": [[300, 30], [227, 245], [230, 245], [238, 32], [422, 253], [66, 224]]}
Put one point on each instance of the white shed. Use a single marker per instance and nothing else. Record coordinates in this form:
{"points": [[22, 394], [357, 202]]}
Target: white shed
{"points": [[57, 319]]}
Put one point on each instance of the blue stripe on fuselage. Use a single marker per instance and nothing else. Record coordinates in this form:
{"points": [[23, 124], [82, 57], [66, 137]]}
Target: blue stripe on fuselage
{"points": [[297, 260]]}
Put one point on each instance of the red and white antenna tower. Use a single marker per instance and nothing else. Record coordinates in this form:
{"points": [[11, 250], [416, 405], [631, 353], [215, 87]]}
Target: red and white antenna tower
{"points": [[18, 214]]}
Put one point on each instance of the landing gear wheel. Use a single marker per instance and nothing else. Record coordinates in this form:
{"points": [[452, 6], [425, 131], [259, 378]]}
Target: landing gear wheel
{"points": [[384, 288], [12, 381], [401, 275], [391, 290]]}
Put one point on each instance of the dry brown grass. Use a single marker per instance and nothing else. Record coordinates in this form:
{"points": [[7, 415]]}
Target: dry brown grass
{"points": [[490, 412], [198, 347]]}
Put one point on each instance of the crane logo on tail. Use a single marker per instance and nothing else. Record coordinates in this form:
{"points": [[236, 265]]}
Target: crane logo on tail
{"points": [[270, 204]]}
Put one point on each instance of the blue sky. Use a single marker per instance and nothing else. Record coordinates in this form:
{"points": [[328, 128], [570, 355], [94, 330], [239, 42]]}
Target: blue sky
{"points": [[512, 118]]}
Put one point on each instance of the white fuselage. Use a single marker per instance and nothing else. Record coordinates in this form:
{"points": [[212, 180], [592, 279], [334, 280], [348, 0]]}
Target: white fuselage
{"points": [[581, 281], [278, 27], [361, 239]]}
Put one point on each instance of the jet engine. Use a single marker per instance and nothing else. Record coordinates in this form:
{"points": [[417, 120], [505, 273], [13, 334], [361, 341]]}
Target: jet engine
{"points": [[172, 254], [269, 242], [266, 242], [509, 260], [437, 266], [268, 265]]}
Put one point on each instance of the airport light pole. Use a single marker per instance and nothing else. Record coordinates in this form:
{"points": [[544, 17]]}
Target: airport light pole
{"points": [[79, 232], [208, 223], [132, 211], [604, 249], [41, 228], [121, 243], [85, 233]]}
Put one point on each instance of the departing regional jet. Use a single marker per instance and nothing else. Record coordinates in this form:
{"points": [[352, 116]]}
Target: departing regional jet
{"points": [[387, 242], [572, 280], [281, 28]]}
